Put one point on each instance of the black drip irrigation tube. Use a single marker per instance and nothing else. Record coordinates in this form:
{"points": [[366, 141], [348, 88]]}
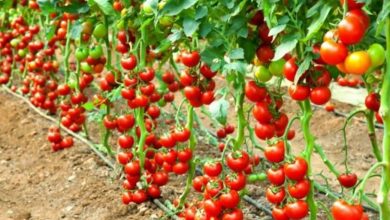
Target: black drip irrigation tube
{"points": [[107, 161]]}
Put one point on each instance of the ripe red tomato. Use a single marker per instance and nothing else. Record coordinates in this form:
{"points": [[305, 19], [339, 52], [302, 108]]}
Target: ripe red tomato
{"points": [[235, 181], [341, 210], [264, 131], [299, 92], [212, 208], [264, 33], [190, 59], [297, 210], [281, 123], [276, 177], [230, 199], [290, 69], [279, 214], [361, 15], [199, 183], [262, 113], [300, 189], [133, 168], [147, 75], [160, 178], [167, 141], [275, 196], [184, 155], [182, 135], [275, 153], [265, 53], [320, 95], [347, 180], [139, 196], [296, 170], [213, 187], [333, 53], [351, 30], [372, 102], [192, 93], [207, 72], [352, 4], [237, 161], [125, 141], [154, 191], [254, 92], [207, 97], [180, 168], [236, 214], [129, 63], [212, 169]]}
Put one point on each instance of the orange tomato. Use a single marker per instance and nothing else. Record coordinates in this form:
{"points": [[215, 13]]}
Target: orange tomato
{"points": [[357, 62]]}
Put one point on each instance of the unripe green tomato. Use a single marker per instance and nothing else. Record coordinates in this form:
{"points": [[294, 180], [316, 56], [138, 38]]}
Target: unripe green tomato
{"points": [[166, 21], [124, 12], [147, 9], [22, 52], [161, 103], [377, 54], [100, 31], [81, 53], [96, 52], [252, 178], [120, 25], [276, 67], [15, 42], [161, 4], [263, 74], [85, 67]]}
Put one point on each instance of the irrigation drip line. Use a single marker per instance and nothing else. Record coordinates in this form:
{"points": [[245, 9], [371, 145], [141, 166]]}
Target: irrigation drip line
{"points": [[107, 161]]}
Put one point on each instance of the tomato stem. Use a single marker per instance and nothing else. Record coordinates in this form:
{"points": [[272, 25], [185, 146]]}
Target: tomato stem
{"points": [[67, 51], [107, 133], [191, 145], [309, 139], [372, 135], [383, 198], [240, 95]]}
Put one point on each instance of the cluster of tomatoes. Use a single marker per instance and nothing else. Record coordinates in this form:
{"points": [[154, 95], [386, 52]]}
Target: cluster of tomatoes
{"points": [[350, 31], [289, 184], [270, 121], [221, 192], [57, 141], [198, 88]]}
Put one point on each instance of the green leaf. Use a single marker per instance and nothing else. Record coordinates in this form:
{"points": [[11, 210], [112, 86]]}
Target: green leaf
{"points": [[89, 106], [201, 12], [236, 66], [76, 30], [210, 54], [205, 28], [6, 4], [190, 26], [236, 54], [316, 25], [115, 94], [314, 9], [75, 8], [277, 29], [174, 7], [50, 32], [219, 109], [302, 68], [249, 48], [47, 6], [284, 48], [106, 7], [385, 13]]}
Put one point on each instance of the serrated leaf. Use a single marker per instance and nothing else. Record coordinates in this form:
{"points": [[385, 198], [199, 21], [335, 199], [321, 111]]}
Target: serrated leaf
{"points": [[174, 7], [190, 26], [236, 66], [89, 106], [317, 24], [284, 48], [201, 12], [218, 110], [302, 68], [106, 7], [236, 54], [210, 54]]}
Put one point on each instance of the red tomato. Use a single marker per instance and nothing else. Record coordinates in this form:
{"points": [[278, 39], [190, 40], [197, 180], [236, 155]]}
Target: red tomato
{"points": [[147, 75], [276, 177], [279, 214], [264, 33], [297, 210], [299, 92], [237, 161], [333, 53], [373, 102], [264, 131], [290, 69], [347, 180], [207, 72], [254, 92], [275, 196], [212, 208], [300, 189], [352, 4], [125, 141], [182, 135], [230, 199], [262, 113], [167, 141], [351, 30], [180, 168], [199, 183], [235, 181], [265, 53], [133, 168], [341, 210], [139, 196], [212, 169], [184, 155], [236, 214], [297, 170], [360, 14], [192, 93], [213, 187], [129, 63], [320, 95], [190, 59], [168, 77], [275, 153], [154, 191]]}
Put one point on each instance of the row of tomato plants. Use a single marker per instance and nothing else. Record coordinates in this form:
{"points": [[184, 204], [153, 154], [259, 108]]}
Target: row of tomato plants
{"points": [[122, 63]]}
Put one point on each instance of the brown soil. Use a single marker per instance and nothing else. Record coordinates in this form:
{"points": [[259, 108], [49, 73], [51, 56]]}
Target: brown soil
{"points": [[37, 184]]}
